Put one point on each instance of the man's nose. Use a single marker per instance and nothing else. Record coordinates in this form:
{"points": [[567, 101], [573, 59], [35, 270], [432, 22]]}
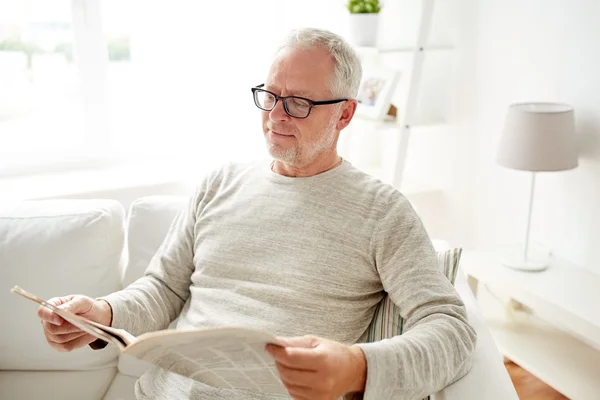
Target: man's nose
{"points": [[278, 113]]}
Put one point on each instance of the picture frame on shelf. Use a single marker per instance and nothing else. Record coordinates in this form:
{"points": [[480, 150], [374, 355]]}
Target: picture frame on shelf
{"points": [[375, 92]]}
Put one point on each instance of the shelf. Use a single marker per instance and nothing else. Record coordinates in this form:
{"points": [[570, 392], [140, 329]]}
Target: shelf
{"points": [[564, 293], [390, 122], [372, 50], [557, 358]]}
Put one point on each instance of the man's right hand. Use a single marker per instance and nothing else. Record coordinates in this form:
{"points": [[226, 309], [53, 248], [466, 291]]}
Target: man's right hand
{"points": [[64, 336]]}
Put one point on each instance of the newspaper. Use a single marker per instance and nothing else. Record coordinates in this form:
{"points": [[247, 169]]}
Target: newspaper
{"points": [[225, 357], [232, 358]]}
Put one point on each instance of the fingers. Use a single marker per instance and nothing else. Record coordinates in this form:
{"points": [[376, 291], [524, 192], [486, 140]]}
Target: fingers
{"points": [[306, 384], [297, 357], [64, 327], [78, 304], [300, 341], [45, 314], [73, 303], [77, 342], [296, 378], [64, 338], [60, 334], [298, 352]]}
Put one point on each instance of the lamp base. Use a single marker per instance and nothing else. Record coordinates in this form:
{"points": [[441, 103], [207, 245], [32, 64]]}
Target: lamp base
{"points": [[538, 258], [529, 265]]}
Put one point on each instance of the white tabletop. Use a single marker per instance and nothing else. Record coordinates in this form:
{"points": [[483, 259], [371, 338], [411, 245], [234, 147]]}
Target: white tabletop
{"points": [[572, 289]]}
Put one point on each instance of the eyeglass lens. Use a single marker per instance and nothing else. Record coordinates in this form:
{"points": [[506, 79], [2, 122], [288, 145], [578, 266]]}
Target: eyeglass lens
{"points": [[295, 107]]}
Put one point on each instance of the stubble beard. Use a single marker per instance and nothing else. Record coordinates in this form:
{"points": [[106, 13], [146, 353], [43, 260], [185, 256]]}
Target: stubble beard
{"points": [[302, 156]]}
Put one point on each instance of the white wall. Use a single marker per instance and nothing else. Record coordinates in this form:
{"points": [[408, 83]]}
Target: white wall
{"points": [[536, 50]]}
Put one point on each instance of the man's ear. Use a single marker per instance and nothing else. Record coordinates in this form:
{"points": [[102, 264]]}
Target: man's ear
{"points": [[348, 110]]}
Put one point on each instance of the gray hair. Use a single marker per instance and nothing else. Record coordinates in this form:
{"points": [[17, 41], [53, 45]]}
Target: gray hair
{"points": [[348, 69]]}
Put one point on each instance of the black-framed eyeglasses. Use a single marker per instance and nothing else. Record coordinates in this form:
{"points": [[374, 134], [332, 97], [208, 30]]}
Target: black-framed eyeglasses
{"points": [[294, 106]]}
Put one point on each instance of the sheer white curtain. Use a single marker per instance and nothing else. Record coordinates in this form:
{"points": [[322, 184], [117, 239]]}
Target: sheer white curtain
{"points": [[40, 115], [192, 66], [128, 78]]}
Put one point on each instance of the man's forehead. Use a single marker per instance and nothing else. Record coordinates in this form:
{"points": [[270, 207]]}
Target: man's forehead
{"points": [[292, 90], [297, 84], [300, 72]]}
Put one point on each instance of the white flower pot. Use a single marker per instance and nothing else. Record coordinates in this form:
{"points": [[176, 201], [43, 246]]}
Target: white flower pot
{"points": [[363, 29]]}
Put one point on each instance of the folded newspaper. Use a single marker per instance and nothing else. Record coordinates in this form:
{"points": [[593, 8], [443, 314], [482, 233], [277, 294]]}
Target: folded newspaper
{"points": [[228, 357]]}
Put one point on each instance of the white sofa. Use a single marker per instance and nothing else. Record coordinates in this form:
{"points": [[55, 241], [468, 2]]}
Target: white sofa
{"points": [[93, 247]]}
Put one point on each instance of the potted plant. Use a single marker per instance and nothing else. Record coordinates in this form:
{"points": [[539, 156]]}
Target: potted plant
{"points": [[364, 18]]}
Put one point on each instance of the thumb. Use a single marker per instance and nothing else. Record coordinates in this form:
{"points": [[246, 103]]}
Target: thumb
{"points": [[77, 305], [300, 341]]}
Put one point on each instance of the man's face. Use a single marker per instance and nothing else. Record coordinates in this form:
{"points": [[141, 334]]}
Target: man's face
{"points": [[304, 73]]}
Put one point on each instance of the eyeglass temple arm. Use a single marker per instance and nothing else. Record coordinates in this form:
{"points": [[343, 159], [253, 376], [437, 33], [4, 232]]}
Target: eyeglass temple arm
{"points": [[318, 103]]}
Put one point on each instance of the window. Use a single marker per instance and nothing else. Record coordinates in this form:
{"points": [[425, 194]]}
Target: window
{"points": [[39, 109], [104, 79]]}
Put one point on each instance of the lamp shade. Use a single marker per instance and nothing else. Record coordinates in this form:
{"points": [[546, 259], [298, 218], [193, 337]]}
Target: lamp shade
{"points": [[538, 137]]}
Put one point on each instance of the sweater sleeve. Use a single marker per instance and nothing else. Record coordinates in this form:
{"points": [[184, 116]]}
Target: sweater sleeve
{"points": [[437, 341], [154, 300]]}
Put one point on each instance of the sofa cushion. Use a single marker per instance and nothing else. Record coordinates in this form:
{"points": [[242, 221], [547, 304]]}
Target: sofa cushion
{"points": [[55, 248], [148, 222], [64, 385], [121, 388]]}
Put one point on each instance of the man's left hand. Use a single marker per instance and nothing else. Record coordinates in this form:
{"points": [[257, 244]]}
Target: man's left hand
{"points": [[312, 368]]}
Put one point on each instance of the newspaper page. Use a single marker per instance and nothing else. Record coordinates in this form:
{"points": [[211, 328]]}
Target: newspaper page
{"points": [[231, 358]]}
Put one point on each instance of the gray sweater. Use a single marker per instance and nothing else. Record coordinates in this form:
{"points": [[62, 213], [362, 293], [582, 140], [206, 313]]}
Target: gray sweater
{"points": [[298, 256]]}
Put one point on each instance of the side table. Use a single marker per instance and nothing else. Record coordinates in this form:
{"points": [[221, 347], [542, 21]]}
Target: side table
{"points": [[547, 322]]}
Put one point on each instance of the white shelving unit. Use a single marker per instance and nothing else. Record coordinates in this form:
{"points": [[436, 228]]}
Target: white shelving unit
{"points": [[547, 322], [407, 122], [403, 49]]}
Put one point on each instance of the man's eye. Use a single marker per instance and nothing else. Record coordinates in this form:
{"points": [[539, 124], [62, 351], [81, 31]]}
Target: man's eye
{"points": [[299, 103], [268, 99]]}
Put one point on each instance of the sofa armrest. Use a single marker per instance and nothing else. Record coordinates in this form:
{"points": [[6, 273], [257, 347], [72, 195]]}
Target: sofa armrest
{"points": [[488, 378]]}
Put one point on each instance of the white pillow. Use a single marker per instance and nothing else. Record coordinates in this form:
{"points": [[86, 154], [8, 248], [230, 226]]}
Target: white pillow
{"points": [[148, 223], [55, 248]]}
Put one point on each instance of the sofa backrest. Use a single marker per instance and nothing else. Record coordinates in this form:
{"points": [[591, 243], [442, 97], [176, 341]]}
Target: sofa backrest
{"points": [[53, 248], [148, 221]]}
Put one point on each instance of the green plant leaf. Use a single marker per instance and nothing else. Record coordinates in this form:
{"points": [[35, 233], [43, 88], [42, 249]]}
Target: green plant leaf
{"points": [[363, 6]]}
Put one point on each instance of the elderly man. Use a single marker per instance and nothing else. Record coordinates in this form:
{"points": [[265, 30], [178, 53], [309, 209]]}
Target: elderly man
{"points": [[303, 246]]}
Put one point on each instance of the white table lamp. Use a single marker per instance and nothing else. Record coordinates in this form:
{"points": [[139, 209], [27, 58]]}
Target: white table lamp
{"points": [[537, 137]]}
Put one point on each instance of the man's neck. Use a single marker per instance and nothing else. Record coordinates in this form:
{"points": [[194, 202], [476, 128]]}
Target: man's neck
{"points": [[313, 168]]}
